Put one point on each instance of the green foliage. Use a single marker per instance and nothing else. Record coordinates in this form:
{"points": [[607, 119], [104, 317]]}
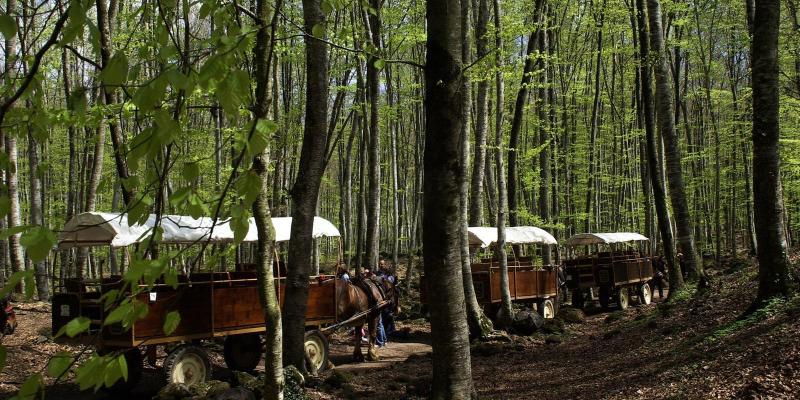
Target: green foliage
{"points": [[8, 27], [171, 322]]}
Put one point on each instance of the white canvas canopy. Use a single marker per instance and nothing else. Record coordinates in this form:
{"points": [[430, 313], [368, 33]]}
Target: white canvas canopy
{"points": [[112, 229], [485, 236], [604, 238]]}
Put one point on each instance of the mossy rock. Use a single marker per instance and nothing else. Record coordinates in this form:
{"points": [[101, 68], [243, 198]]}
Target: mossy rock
{"points": [[553, 339], [553, 326], [216, 387], [174, 391], [339, 378], [614, 316], [247, 381], [571, 315]]}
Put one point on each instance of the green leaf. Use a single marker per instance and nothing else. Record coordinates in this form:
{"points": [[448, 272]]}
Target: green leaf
{"points": [[191, 170], [59, 364], [123, 366], [3, 356], [30, 389], [379, 63], [8, 26], [171, 322], [77, 325], [13, 281], [112, 372], [75, 22], [90, 373], [261, 135], [318, 30], [77, 102], [38, 242], [5, 205], [116, 72]]}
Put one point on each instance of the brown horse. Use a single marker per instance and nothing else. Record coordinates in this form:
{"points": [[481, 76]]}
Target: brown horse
{"points": [[8, 319], [352, 299]]}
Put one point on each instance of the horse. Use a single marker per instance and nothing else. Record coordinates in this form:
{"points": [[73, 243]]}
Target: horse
{"points": [[353, 299], [8, 319]]}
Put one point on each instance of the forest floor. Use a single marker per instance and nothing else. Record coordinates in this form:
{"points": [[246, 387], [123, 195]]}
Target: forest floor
{"points": [[696, 347]]}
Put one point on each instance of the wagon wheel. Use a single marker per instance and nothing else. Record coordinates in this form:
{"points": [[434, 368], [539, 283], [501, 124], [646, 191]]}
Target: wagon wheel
{"points": [[546, 308], [316, 345], [134, 360], [645, 294], [605, 296], [188, 364], [622, 298], [243, 352]]}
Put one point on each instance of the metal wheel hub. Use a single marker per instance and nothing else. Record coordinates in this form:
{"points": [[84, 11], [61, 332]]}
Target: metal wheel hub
{"points": [[315, 352], [189, 370]]}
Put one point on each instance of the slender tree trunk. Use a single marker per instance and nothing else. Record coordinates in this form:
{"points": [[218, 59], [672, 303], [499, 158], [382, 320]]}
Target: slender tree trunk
{"points": [[663, 100], [592, 180], [267, 290], [659, 195], [306, 188], [443, 219], [768, 208], [104, 22], [373, 92], [479, 324], [481, 119], [37, 214], [506, 313]]}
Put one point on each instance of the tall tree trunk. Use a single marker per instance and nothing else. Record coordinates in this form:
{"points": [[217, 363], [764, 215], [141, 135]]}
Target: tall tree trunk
{"points": [[443, 219], [516, 122], [267, 290], [479, 324], [305, 191], [663, 100], [481, 119], [506, 313], [104, 21], [10, 141], [592, 180], [659, 195], [768, 208], [37, 214], [373, 92]]}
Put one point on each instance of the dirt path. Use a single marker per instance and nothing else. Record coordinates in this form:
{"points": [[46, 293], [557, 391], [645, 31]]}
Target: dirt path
{"points": [[695, 349]]}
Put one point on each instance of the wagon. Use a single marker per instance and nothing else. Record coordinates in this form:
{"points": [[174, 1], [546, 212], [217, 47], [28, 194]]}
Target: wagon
{"points": [[214, 304], [623, 268], [529, 280]]}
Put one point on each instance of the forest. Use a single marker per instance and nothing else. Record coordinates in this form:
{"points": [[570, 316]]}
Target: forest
{"points": [[433, 157]]}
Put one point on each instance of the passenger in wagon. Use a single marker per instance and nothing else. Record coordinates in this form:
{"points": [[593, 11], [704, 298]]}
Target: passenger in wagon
{"points": [[342, 273]]}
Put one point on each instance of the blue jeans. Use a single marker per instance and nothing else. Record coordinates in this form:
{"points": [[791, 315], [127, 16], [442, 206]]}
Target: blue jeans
{"points": [[380, 337]]}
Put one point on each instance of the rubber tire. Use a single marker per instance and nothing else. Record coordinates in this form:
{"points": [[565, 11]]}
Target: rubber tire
{"points": [[243, 352], [605, 297], [135, 362], [541, 305], [578, 300], [180, 352], [645, 294], [322, 344], [622, 298]]}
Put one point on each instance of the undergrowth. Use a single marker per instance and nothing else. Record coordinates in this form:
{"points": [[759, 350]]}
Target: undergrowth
{"points": [[774, 307]]}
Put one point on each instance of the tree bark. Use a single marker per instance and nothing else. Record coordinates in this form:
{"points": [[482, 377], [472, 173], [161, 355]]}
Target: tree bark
{"points": [[267, 290], [481, 119], [305, 191], [10, 141], [506, 313], [443, 219], [768, 208], [592, 180], [663, 101], [479, 324], [373, 92], [659, 195]]}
